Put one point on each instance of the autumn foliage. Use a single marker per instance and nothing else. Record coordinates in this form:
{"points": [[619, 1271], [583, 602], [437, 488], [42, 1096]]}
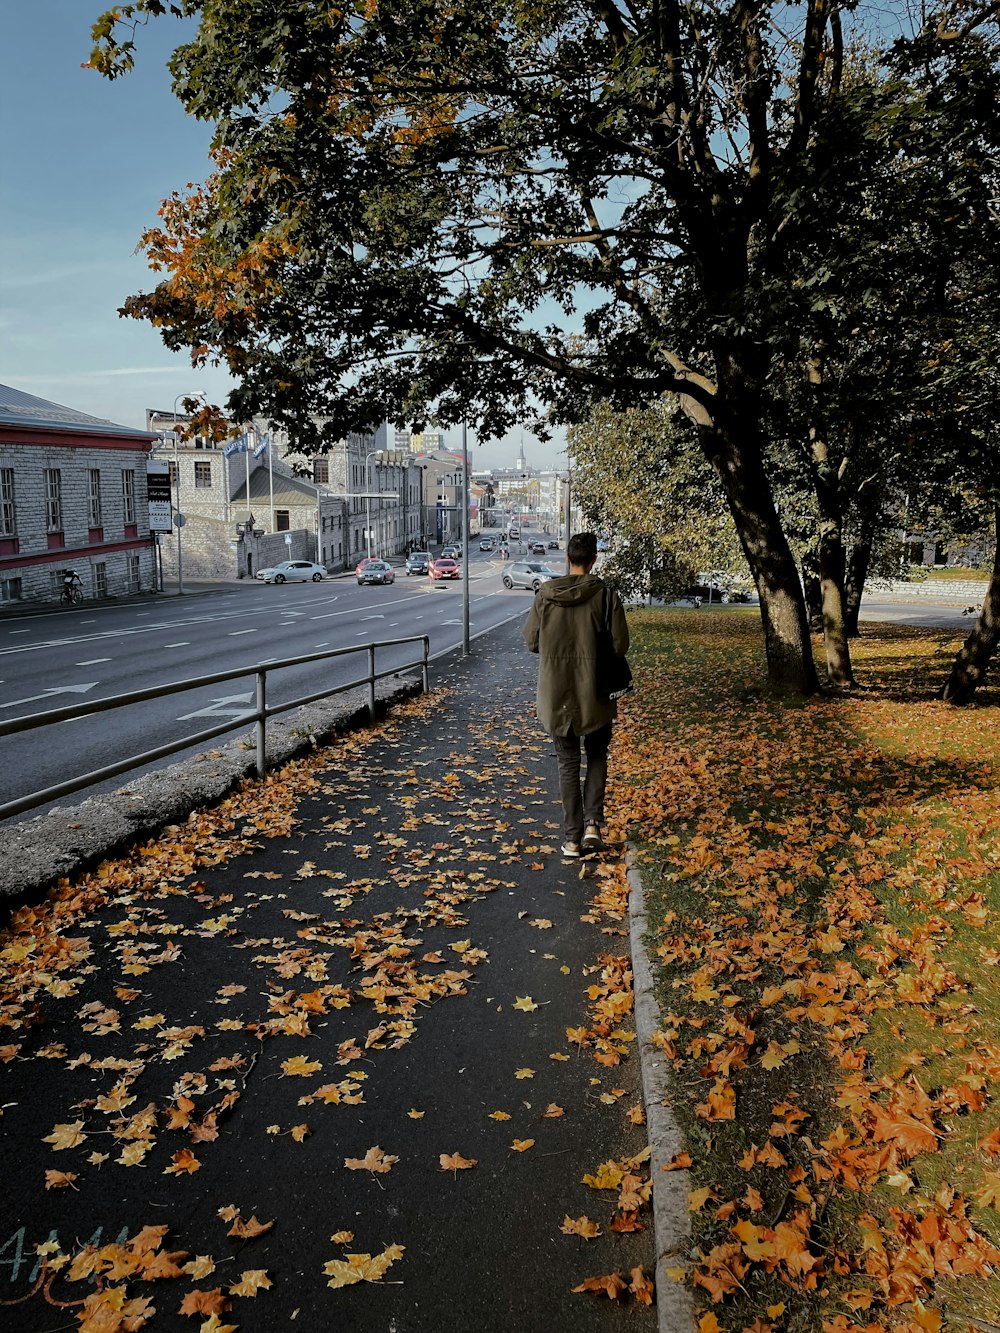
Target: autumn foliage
{"points": [[825, 883]]}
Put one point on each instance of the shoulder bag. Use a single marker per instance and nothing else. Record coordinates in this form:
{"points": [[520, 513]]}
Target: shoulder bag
{"points": [[614, 675]]}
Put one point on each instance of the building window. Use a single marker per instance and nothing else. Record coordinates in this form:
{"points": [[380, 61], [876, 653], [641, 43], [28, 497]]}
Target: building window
{"points": [[100, 579], [203, 476], [321, 471], [93, 498], [132, 571], [8, 515], [53, 499], [282, 520], [128, 495], [10, 590]]}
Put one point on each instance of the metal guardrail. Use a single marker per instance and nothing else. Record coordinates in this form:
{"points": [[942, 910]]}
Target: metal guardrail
{"points": [[258, 714]]}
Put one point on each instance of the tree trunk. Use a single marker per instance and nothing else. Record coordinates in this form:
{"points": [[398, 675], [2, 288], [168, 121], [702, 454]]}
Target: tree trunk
{"points": [[813, 593], [729, 435], [740, 467], [831, 579], [854, 584], [832, 565], [970, 665]]}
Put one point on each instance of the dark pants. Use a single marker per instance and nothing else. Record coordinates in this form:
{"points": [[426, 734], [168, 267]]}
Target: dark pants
{"points": [[587, 807]]}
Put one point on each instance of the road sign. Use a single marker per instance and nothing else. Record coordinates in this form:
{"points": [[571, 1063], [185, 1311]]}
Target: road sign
{"points": [[179, 520]]}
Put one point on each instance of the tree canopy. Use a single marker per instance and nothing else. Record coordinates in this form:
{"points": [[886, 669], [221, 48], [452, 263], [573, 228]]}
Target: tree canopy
{"points": [[486, 207]]}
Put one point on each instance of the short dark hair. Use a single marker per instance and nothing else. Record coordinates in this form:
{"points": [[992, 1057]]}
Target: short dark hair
{"points": [[581, 549]]}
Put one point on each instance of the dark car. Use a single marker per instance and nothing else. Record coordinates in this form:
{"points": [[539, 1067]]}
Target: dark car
{"points": [[418, 562], [376, 571], [553, 546]]}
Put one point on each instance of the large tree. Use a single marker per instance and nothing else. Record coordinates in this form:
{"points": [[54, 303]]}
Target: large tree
{"points": [[489, 204]]}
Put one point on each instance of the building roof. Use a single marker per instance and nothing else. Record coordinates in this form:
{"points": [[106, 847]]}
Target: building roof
{"points": [[288, 491], [24, 411]]}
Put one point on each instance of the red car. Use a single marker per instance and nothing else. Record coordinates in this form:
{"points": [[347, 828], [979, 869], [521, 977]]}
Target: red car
{"points": [[445, 568], [367, 560]]}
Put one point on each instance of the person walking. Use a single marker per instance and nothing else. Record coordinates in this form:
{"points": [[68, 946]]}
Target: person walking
{"points": [[562, 627]]}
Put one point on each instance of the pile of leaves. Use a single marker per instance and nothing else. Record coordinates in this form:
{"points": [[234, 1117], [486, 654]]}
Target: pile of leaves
{"points": [[824, 889]]}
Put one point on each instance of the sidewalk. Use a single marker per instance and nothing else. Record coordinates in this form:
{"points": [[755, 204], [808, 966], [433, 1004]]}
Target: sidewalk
{"points": [[375, 957]]}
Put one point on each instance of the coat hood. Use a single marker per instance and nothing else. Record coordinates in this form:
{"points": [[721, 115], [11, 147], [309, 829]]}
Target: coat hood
{"points": [[571, 589]]}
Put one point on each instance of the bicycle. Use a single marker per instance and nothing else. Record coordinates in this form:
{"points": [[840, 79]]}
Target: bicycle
{"points": [[72, 590]]}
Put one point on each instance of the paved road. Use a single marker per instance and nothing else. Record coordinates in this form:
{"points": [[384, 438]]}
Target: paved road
{"points": [[54, 660]]}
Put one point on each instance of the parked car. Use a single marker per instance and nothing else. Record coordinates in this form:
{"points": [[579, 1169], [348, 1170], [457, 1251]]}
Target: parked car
{"points": [[487, 544], [527, 574], [293, 571], [444, 567], [376, 571], [536, 548], [418, 562]]}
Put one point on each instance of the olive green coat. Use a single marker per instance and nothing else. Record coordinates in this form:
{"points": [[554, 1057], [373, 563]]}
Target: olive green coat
{"points": [[562, 627]]}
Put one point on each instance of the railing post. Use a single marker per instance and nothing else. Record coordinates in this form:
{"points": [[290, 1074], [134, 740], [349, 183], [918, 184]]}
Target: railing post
{"points": [[426, 677], [371, 681], [261, 726]]}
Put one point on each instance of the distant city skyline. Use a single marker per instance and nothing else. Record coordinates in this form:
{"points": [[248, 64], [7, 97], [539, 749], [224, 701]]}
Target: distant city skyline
{"points": [[86, 164]]}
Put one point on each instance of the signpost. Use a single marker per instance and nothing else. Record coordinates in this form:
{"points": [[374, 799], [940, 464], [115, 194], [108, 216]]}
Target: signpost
{"points": [[158, 493]]}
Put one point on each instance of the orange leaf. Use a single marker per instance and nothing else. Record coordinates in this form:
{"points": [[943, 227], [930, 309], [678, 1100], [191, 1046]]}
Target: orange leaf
{"points": [[610, 1284]]}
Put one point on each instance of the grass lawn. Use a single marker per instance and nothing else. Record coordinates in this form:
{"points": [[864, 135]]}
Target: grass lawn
{"points": [[823, 884]]}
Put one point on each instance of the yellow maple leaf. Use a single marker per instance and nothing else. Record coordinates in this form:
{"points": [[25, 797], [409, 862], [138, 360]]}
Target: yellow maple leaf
{"points": [[342, 1237], [299, 1064], [299, 1132], [66, 1136], [374, 1160], [456, 1162], [416, 1115], [58, 1180], [361, 1267], [525, 1003], [522, 1145], [521, 1073], [581, 1226], [499, 1115], [251, 1281]]}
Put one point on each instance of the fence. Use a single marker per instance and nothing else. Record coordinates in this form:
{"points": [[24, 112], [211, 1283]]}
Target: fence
{"points": [[258, 714]]}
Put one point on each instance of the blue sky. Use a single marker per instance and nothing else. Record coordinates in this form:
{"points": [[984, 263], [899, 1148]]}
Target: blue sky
{"points": [[85, 164]]}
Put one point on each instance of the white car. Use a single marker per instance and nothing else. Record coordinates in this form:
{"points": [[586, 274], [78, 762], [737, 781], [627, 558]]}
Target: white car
{"points": [[293, 571]]}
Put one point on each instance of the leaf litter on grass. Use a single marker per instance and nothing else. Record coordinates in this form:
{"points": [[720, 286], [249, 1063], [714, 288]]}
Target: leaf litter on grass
{"points": [[823, 883]]}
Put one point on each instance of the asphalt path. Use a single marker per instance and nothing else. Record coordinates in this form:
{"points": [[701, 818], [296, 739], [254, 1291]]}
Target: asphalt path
{"points": [[402, 964], [80, 655]]}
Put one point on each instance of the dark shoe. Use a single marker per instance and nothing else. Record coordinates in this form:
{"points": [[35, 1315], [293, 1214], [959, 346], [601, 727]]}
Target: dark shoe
{"points": [[570, 851], [592, 840]]}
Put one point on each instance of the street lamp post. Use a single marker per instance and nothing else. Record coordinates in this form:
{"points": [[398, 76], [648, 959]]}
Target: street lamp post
{"points": [[178, 516], [465, 539], [368, 513]]}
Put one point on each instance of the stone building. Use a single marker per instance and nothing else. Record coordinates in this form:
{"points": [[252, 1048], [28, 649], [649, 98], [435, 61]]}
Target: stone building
{"points": [[73, 496]]}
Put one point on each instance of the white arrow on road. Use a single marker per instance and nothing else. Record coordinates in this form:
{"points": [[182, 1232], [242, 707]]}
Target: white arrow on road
{"points": [[48, 694], [222, 707]]}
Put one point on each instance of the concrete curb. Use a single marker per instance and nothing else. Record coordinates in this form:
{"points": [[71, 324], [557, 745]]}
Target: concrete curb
{"points": [[671, 1219]]}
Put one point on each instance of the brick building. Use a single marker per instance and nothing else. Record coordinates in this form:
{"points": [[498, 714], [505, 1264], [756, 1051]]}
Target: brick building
{"points": [[72, 497]]}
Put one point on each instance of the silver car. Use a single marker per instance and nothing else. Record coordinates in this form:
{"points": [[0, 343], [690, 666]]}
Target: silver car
{"points": [[527, 574], [293, 571]]}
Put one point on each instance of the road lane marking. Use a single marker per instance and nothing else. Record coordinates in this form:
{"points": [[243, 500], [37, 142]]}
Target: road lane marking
{"points": [[184, 643], [235, 633], [48, 694], [95, 661], [224, 707]]}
